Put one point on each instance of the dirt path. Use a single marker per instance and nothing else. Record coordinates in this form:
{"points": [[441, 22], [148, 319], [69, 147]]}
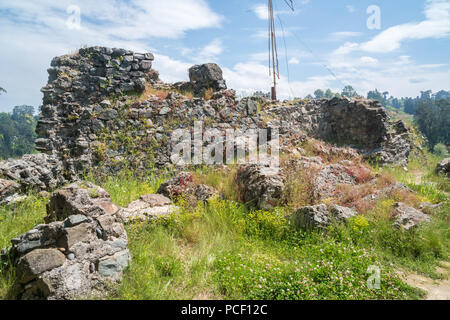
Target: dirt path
{"points": [[436, 289]]}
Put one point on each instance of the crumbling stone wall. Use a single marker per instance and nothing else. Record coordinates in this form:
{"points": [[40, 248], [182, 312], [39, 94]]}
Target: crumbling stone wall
{"points": [[107, 107], [74, 109], [360, 123]]}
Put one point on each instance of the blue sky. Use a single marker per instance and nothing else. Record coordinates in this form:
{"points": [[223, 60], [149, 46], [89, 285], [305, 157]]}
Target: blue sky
{"points": [[328, 42]]}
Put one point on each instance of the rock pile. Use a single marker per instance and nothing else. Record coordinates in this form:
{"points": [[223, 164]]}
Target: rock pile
{"points": [[81, 250], [260, 186], [8, 191], [360, 123], [183, 185], [321, 216], [36, 171], [407, 217], [443, 167], [106, 109], [150, 206], [75, 104]]}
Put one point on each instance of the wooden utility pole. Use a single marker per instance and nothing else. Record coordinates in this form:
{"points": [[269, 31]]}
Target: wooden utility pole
{"points": [[274, 69], [273, 54]]}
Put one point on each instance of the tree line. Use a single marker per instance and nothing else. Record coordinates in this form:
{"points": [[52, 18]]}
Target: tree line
{"points": [[17, 132]]}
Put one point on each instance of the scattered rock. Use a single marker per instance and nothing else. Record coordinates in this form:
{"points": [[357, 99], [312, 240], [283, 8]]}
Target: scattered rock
{"points": [[80, 198], [430, 208], [444, 167], [183, 183], [312, 217], [341, 213], [329, 178], [7, 189], [260, 187], [77, 256], [149, 206], [321, 216], [407, 217], [38, 261], [36, 171], [204, 192], [9, 192]]}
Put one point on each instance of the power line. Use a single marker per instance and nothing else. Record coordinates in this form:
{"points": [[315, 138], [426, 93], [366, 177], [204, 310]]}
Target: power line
{"points": [[286, 58], [318, 59]]}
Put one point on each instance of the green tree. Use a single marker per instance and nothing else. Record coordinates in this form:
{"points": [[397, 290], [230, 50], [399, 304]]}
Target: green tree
{"points": [[410, 105], [440, 95], [349, 92], [319, 94], [433, 120], [329, 94], [375, 95], [17, 132], [396, 103]]}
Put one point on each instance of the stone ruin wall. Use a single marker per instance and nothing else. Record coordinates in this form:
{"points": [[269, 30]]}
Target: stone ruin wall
{"points": [[94, 115]]}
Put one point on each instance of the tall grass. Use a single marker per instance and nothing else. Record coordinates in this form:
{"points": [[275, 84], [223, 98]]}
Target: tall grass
{"points": [[13, 222]]}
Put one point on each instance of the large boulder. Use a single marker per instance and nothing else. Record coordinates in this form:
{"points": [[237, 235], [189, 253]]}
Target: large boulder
{"points": [[150, 206], [321, 216], [207, 76], [8, 190], [260, 186], [407, 217], [80, 198], [444, 167], [78, 255], [184, 186], [181, 184]]}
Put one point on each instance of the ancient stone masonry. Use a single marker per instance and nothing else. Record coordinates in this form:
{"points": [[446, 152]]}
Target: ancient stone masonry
{"points": [[360, 123], [74, 106], [106, 109], [32, 172], [82, 248]]}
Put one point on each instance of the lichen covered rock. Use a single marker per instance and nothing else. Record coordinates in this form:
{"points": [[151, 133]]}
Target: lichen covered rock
{"points": [[321, 216], [150, 206], [77, 255], [408, 217], [260, 186]]}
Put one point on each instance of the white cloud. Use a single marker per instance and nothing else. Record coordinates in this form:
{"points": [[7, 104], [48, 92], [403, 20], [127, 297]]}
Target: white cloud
{"points": [[436, 25], [171, 70], [368, 60], [131, 20], [33, 32], [350, 8], [211, 51], [261, 11], [338, 36], [294, 61], [247, 78]]}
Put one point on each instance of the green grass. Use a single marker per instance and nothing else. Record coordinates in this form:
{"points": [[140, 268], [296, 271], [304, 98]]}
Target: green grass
{"points": [[433, 187], [222, 250], [13, 222], [125, 188]]}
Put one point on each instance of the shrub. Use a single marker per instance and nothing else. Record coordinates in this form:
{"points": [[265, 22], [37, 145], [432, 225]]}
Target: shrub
{"points": [[266, 224], [440, 149]]}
